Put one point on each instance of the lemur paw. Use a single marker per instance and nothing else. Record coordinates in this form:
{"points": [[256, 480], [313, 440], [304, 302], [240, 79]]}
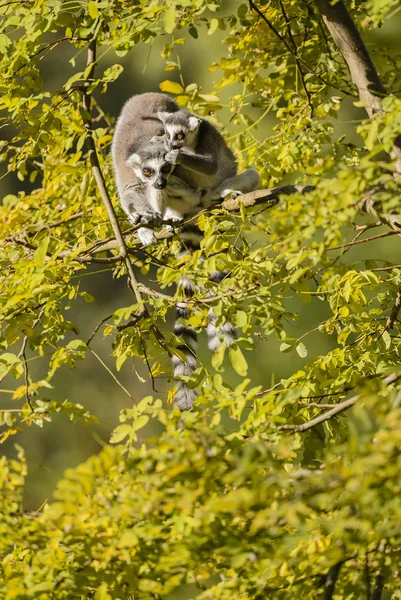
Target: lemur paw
{"points": [[172, 156], [147, 218], [146, 236]]}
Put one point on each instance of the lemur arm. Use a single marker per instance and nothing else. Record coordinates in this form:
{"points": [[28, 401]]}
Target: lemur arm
{"points": [[142, 205], [202, 163]]}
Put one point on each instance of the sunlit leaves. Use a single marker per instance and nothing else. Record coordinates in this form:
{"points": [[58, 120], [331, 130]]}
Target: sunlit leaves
{"points": [[229, 496]]}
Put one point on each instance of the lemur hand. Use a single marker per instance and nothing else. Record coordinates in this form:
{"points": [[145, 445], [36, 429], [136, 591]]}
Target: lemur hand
{"points": [[147, 218], [172, 156]]}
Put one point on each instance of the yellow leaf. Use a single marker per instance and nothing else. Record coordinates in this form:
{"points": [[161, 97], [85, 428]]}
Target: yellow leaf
{"points": [[171, 86]]}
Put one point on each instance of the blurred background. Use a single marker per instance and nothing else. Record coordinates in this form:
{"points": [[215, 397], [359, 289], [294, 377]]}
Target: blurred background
{"points": [[61, 444]]}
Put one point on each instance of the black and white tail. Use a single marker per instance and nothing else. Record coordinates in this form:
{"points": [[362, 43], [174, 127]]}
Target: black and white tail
{"points": [[216, 336], [184, 396]]}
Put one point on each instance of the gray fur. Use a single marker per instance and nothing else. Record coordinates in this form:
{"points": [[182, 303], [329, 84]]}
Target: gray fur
{"points": [[202, 157], [136, 125], [184, 176]]}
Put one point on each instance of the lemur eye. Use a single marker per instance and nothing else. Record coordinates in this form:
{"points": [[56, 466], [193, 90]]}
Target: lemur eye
{"points": [[180, 136], [168, 136], [147, 172]]}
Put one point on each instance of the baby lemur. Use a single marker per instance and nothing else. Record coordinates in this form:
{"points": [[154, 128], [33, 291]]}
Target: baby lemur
{"points": [[202, 157]]}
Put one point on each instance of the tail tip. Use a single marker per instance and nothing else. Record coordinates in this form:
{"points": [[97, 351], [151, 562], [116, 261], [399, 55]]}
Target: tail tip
{"points": [[184, 398]]}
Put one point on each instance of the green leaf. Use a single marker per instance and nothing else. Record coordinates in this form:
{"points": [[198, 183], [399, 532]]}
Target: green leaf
{"points": [[218, 357], [120, 433], [139, 422], [238, 360], [301, 349], [214, 23], [169, 19]]}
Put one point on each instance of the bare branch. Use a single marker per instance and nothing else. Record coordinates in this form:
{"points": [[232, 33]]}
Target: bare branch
{"points": [[368, 239], [331, 580], [337, 409], [262, 196], [269, 195], [386, 268], [98, 326]]}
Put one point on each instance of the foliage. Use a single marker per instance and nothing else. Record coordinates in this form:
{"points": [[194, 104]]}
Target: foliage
{"points": [[256, 493]]}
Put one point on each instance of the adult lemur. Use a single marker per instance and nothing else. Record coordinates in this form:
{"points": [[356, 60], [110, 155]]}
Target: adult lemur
{"points": [[142, 171], [146, 146]]}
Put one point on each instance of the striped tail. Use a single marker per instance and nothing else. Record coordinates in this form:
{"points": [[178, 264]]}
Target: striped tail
{"points": [[226, 332], [184, 397]]}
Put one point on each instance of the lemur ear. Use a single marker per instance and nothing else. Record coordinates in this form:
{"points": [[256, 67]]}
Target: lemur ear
{"points": [[133, 161], [162, 116], [193, 123]]}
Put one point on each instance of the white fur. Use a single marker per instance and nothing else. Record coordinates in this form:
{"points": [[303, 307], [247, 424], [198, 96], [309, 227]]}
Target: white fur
{"points": [[146, 236], [193, 123], [157, 199]]}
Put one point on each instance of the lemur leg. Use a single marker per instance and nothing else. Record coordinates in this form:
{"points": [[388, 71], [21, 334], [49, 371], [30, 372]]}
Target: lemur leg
{"points": [[243, 183], [173, 215], [225, 332]]}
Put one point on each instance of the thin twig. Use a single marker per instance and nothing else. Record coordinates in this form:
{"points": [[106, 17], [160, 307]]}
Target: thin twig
{"points": [[395, 311], [253, 6], [338, 408], [386, 268], [110, 372], [368, 239], [26, 373], [94, 332], [297, 60], [145, 354]]}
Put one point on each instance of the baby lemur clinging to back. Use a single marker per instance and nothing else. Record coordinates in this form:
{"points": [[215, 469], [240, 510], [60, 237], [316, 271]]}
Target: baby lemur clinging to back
{"points": [[202, 157]]}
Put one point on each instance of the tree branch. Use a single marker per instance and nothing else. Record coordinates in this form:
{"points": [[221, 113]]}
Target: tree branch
{"points": [[362, 70], [331, 580], [98, 175], [253, 6], [394, 311], [368, 239], [338, 408], [269, 195]]}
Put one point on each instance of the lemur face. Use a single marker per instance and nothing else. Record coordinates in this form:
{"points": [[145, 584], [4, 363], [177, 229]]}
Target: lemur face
{"points": [[150, 165], [180, 129]]}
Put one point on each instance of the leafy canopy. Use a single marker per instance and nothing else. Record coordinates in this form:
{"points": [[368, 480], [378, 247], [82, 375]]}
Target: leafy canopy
{"points": [[256, 493]]}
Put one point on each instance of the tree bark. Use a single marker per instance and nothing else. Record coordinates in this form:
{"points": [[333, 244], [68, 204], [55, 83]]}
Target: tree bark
{"points": [[354, 52]]}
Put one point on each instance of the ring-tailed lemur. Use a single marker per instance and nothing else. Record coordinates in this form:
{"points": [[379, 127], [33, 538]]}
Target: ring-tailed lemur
{"points": [[151, 189], [202, 157], [141, 169]]}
